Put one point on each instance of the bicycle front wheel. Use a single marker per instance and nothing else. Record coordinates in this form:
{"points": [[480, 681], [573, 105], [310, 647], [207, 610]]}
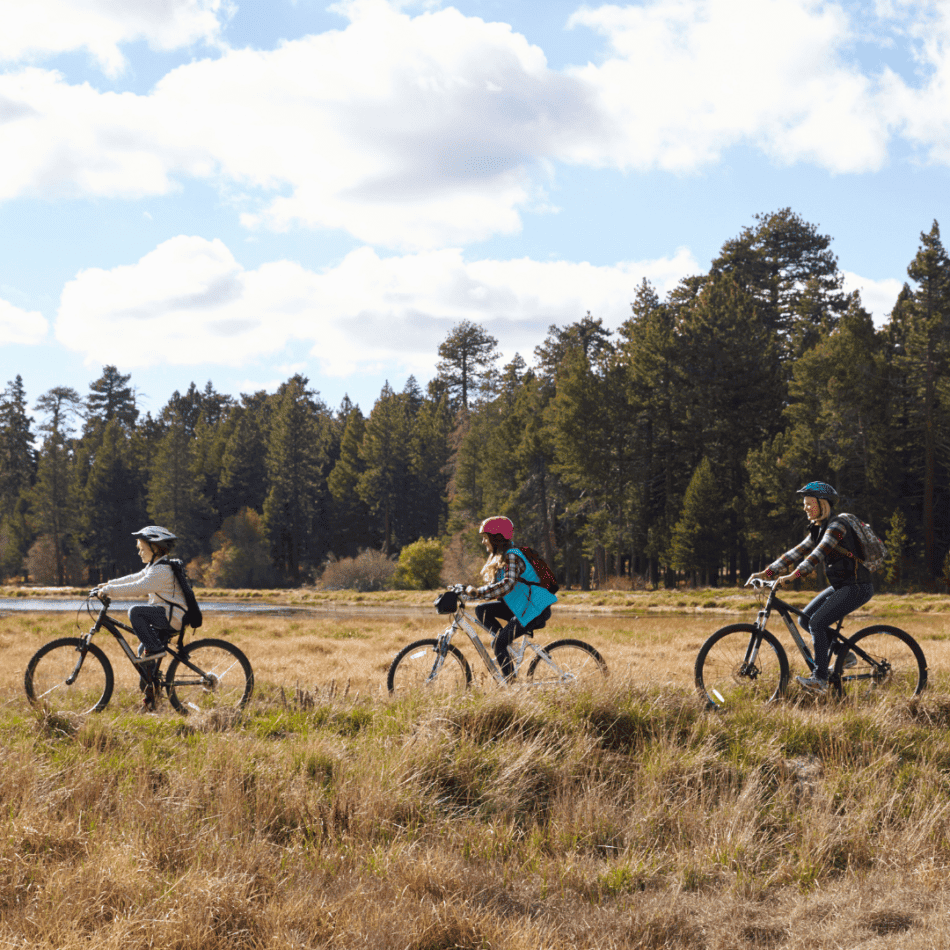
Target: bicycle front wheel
{"points": [[566, 662], [420, 667], [730, 669], [889, 662], [69, 676], [222, 679]]}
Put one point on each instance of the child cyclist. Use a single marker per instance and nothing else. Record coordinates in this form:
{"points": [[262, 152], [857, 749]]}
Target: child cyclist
{"points": [[833, 542], [518, 603], [155, 622]]}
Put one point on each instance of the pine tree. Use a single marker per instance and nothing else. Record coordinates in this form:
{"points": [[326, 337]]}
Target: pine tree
{"points": [[351, 513], [111, 506], [782, 262], [296, 456], [17, 471], [110, 397], [243, 475], [174, 500], [698, 536], [384, 483], [52, 499], [466, 363], [926, 361]]}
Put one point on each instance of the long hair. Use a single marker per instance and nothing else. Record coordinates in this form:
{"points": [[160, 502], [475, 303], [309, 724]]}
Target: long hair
{"points": [[496, 561]]}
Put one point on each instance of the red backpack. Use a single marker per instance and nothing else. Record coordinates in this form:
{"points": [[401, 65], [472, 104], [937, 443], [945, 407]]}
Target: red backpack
{"points": [[546, 578]]}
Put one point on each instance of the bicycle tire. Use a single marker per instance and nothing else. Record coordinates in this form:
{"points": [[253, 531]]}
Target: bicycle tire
{"points": [[577, 662], [50, 667], [227, 684], [412, 668], [900, 670], [724, 680]]}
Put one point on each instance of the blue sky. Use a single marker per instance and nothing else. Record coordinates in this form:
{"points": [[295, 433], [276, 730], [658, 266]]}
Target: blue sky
{"points": [[238, 190]]}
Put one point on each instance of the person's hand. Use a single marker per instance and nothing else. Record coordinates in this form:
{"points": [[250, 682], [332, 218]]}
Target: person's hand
{"points": [[470, 591], [755, 577], [784, 579]]}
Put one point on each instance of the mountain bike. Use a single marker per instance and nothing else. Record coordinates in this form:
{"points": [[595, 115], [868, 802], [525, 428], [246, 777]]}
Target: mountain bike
{"points": [[73, 675], [745, 661], [438, 666]]}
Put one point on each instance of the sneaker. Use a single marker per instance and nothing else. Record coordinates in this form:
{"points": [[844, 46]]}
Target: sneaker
{"points": [[813, 683], [148, 700]]}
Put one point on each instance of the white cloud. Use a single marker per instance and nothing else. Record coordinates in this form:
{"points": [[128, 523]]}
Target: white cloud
{"points": [[686, 79], [190, 302], [437, 129], [877, 296], [21, 326], [34, 29]]}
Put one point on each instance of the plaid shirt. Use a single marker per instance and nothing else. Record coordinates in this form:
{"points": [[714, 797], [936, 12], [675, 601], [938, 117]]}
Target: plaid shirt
{"points": [[833, 535], [505, 579]]}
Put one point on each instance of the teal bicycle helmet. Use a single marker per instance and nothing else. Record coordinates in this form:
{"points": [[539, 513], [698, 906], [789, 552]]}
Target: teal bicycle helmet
{"points": [[819, 490]]}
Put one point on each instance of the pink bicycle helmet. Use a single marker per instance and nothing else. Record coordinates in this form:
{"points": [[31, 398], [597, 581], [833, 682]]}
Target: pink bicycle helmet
{"points": [[498, 525]]}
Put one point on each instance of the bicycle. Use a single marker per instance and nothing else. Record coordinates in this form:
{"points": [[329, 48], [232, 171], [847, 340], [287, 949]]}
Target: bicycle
{"points": [[746, 661], [438, 666], [73, 675]]}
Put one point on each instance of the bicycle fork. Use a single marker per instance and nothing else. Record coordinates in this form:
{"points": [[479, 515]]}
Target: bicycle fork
{"points": [[82, 650]]}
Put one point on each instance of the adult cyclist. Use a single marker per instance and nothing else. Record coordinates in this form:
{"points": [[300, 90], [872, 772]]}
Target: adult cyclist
{"points": [[518, 603], [830, 541]]}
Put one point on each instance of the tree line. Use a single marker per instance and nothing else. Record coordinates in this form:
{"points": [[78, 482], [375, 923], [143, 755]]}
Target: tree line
{"points": [[669, 448]]}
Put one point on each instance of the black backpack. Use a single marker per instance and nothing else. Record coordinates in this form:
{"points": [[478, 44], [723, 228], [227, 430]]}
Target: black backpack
{"points": [[192, 616]]}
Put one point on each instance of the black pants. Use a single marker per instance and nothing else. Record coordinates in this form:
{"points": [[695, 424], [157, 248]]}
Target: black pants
{"points": [[497, 616]]}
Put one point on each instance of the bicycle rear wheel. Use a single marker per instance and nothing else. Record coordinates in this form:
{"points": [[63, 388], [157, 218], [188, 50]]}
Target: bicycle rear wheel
{"points": [[54, 679], [893, 664], [419, 667], [728, 673], [226, 680], [567, 662]]}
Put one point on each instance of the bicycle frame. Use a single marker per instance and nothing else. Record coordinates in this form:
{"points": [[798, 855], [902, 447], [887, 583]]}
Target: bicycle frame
{"points": [[471, 626], [115, 627], [786, 611]]}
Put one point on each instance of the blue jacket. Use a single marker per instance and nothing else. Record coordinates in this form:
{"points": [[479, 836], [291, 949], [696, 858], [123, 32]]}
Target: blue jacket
{"points": [[526, 601]]}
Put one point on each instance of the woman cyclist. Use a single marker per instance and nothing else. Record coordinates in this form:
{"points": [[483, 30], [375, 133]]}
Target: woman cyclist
{"points": [[519, 603], [832, 542], [155, 623]]}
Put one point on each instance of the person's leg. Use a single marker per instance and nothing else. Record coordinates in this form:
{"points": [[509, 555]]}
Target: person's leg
{"points": [[506, 636], [494, 614], [805, 620], [147, 622], [832, 608]]}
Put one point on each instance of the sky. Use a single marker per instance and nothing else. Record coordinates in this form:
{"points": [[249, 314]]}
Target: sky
{"points": [[242, 190]]}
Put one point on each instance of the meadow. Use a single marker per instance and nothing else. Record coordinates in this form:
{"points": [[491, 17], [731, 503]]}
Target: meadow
{"points": [[331, 816]]}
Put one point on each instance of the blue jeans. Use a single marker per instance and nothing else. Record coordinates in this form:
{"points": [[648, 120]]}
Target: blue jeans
{"points": [[151, 627], [827, 609]]}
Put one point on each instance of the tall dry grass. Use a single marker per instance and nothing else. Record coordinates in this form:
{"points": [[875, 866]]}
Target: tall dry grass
{"points": [[330, 816]]}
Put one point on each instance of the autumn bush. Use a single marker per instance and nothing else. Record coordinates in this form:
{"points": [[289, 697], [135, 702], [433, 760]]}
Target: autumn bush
{"points": [[370, 570]]}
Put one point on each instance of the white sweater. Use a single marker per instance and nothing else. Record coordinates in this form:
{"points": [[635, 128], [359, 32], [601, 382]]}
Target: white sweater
{"points": [[158, 581]]}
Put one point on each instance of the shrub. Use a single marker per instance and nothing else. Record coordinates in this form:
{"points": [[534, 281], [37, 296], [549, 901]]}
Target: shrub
{"points": [[420, 565], [241, 557], [369, 570]]}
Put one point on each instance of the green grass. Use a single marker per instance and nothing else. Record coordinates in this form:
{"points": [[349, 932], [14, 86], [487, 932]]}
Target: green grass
{"points": [[629, 817]]}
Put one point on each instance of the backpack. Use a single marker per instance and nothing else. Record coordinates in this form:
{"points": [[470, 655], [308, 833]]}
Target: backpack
{"points": [[545, 575], [192, 616], [873, 551]]}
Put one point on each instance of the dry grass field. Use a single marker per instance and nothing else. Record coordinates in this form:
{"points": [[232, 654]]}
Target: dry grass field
{"points": [[330, 816]]}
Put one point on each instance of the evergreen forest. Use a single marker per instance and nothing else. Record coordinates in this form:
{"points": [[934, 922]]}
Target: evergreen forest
{"points": [[666, 451]]}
